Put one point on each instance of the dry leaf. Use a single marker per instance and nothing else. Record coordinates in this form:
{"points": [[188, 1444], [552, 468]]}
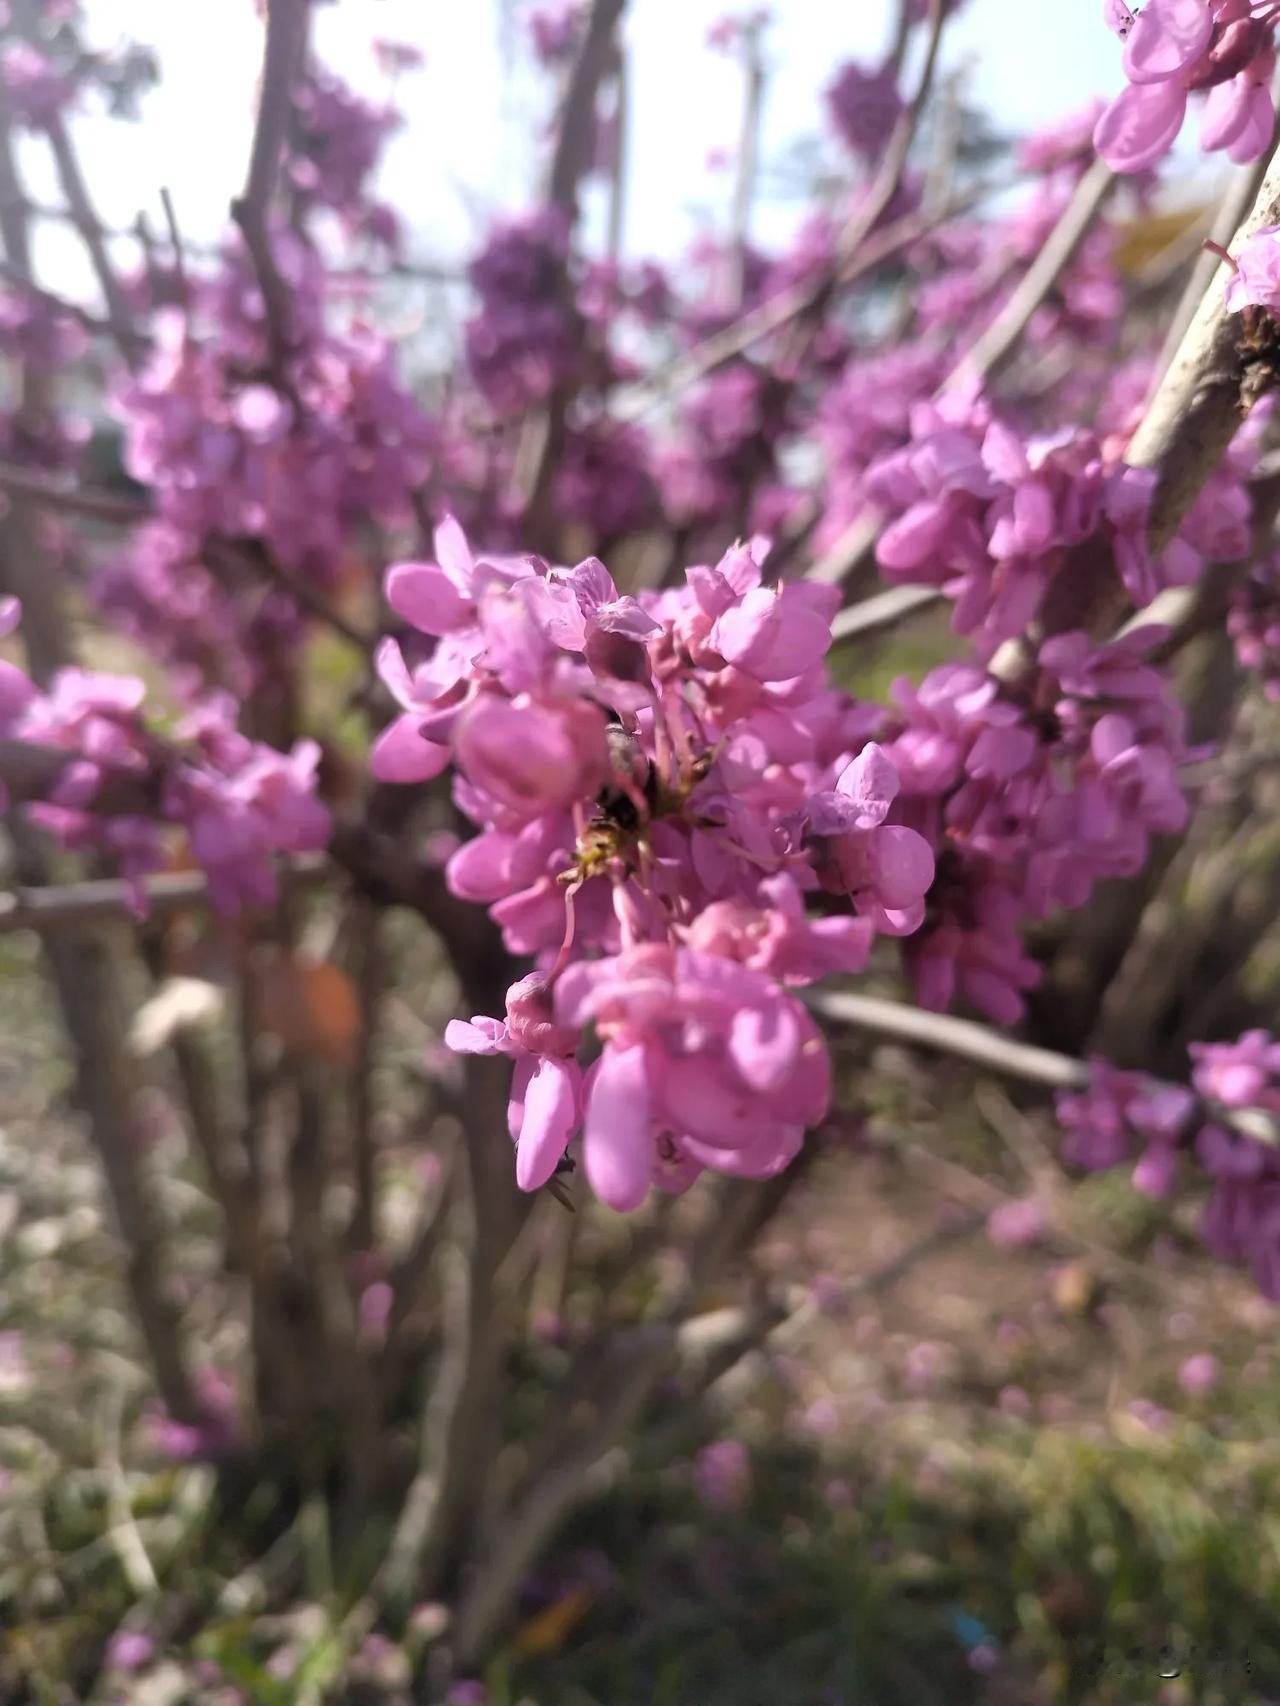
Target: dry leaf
{"points": [[548, 1630], [1139, 242], [1075, 1288], [312, 1007]]}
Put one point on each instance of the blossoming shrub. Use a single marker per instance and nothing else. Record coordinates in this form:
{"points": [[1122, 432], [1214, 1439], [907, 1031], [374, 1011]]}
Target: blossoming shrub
{"points": [[559, 653]]}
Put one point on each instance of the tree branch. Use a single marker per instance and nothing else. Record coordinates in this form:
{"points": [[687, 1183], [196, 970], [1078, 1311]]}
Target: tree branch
{"points": [[287, 24], [74, 906], [965, 1040], [1209, 388], [51, 492], [884, 610], [997, 345], [87, 224]]}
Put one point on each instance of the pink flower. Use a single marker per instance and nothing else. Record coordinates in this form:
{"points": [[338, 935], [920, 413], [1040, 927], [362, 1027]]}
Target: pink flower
{"points": [[1173, 47], [706, 1063], [1241, 1074], [1199, 1374], [546, 1091], [886, 868], [129, 1649], [532, 756], [722, 1472], [864, 106], [37, 90], [1256, 279], [779, 938], [1016, 1225]]}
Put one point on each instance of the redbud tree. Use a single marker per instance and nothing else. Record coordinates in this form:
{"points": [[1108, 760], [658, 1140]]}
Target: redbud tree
{"points": [[529, 696]]}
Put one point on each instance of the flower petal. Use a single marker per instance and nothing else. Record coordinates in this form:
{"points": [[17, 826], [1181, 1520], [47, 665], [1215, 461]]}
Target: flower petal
{"points": [[870, 784], [1140, 125], [617, 1143], [1167, 36], [400, 753], [550, 1115], [426, 597]]}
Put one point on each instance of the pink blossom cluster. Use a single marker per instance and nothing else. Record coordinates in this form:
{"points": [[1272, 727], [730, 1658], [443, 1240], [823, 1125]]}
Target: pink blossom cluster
{"points": [[1030, 792], [293, 464], [864, 104], [994, 520], [240, 463], [680, 821], [1224, 49], [125, 788], [524, 338], [338, 140], [38, 89], [554, 30], [36, 333], [1120, 1112], [963, 275], [1253, 622]]}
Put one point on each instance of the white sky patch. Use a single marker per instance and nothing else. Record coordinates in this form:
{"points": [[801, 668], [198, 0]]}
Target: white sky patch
{"points": [[469, 144]]}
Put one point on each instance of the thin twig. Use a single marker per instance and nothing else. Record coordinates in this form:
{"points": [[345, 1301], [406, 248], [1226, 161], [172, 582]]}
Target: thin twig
{"points": [[744, 188], [175, 238], [135, 1562], [618, 174], [75, 906], [287, 22], [542, 438], [262, 562], [965, 1040], [960, 1037], [872, 206], [51, 492], [87, 224], [370, 973], [575, 125], [788, 305], [884, 610], [1002, 338]]}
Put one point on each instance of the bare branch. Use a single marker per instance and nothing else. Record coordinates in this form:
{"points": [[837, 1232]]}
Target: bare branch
{"points": [[872, 207], [618, 176], [74, 906], [1240, 197], [960, 1037], [966, 1040], [542, 437], [1209, 388], [261, 562], [175, 237], [884, 610], [575, 125], [87, 224], [994, 349], [287, 24], [748, 153], [50, 492], [625, 1381]]}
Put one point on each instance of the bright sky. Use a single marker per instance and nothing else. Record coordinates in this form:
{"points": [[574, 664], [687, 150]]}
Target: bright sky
{"points": [[466, 146]]}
